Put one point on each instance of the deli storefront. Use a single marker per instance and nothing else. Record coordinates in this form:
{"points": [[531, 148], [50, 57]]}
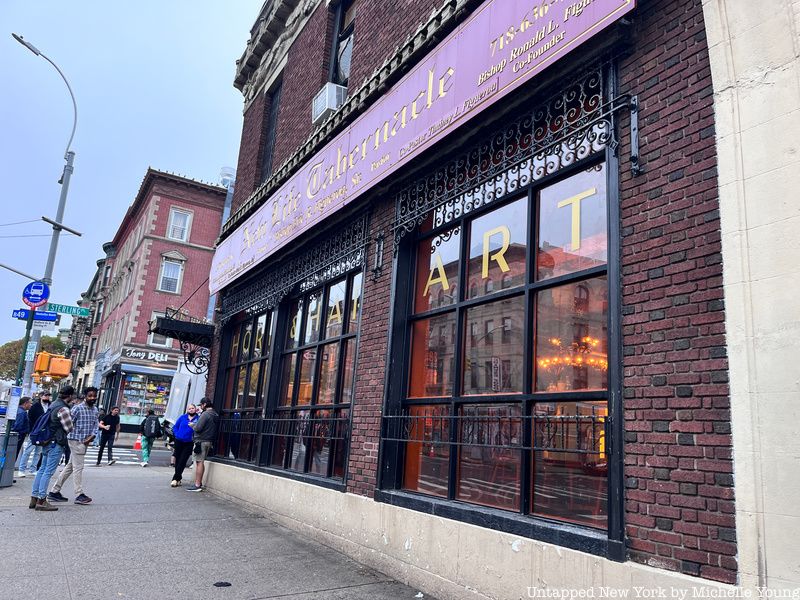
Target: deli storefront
{"points": [[138, 381], [427, 314]]}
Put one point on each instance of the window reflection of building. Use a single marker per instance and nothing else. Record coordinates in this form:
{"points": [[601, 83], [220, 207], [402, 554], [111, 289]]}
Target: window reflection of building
{"points": [[567, 329]]}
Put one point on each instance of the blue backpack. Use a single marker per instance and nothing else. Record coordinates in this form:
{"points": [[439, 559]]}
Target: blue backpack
{"points": [[41, 434]]}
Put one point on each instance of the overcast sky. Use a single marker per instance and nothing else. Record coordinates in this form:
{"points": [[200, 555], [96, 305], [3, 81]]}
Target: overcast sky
{"points": [[153, 82]]}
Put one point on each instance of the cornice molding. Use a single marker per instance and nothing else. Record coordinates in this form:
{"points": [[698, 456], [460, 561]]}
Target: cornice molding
{"points": [[276, 28]]}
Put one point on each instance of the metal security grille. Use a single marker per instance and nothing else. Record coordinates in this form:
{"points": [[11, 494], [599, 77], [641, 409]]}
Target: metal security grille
{"points": [[568, 126], [338, 253]]}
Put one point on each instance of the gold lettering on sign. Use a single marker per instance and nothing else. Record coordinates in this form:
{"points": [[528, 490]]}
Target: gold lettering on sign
{"points": [[259, 339], [497, 256], [441, 278], [575, 201], [335, 314], [246, 342]]}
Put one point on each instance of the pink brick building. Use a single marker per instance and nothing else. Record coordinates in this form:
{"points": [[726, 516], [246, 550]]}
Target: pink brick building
{"points": [[159, 258]]}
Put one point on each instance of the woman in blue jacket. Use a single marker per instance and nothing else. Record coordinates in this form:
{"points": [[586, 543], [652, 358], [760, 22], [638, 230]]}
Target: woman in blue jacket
{"points": [[183, 442]]}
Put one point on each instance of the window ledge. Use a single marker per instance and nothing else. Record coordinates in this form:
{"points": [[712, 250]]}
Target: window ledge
{"points": [[561, 534]]}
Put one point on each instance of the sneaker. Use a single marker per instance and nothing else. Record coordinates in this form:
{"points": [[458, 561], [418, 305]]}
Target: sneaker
{"points": [[57, 497], [97, 465], [144, 464], [194, 488], [33, 502], [83, 499], [20, 475], [175, 483], [43, 504], [111, 462]]}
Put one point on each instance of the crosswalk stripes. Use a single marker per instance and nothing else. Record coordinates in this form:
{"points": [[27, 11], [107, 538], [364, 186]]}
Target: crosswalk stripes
{"points": [[122, 456]]}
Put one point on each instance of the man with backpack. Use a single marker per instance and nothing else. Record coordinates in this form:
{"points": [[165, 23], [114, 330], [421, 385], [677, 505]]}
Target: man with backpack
{"points": [[84, 416], [50, 432], [151, 431]]}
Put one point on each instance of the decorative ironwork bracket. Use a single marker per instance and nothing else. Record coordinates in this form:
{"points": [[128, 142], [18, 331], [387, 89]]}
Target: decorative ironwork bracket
{"points": [[377, 268], [636, 167], [196, 358]]}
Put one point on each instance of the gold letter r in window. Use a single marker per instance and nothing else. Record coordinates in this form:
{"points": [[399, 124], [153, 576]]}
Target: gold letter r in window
{"points": [[575, 201]]}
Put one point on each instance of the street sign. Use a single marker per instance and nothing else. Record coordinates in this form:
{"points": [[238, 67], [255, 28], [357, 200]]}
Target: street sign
{"points": [[30, 351], [13, 402], [75, 311], [43, 326], [36, 294], [39, 315]]}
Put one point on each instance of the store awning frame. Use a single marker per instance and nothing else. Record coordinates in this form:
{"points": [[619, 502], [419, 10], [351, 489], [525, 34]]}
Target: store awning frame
{"points": [[194, 337]]}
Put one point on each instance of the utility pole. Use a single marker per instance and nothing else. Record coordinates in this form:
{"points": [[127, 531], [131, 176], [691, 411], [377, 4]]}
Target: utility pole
{"points": [[69, 157]]}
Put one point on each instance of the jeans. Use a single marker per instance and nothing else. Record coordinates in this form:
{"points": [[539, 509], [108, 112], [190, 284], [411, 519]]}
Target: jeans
{"points": [[51, 454], [74, 467], [22, 444], [147, 445], [25, 463], [106, 439]]}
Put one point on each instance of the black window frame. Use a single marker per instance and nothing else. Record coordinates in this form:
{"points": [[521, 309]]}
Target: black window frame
{"points": [[340, 35], [607, 542], [270, 130], [279, 426]]}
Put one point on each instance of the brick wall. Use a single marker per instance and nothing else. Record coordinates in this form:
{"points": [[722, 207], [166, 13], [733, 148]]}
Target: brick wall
{"points": [[379, 28], [248, 169], [371, 361], [305, 73], [678, 468]]}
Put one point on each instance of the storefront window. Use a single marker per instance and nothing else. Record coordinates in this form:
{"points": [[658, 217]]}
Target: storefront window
{"points": [[247, 387], [141, 393], [309, 430], [515, 360]]}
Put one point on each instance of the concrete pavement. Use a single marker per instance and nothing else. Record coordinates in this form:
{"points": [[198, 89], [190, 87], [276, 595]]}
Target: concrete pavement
{"points": [[141, 539]]}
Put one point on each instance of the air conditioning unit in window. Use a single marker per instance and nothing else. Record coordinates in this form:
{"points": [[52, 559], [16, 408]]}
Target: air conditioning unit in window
{"points": [[327, 100]]}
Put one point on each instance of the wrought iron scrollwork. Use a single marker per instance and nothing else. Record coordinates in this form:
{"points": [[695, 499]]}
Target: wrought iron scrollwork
{"points": [[196, 358], [339, 252], [574, 123]]}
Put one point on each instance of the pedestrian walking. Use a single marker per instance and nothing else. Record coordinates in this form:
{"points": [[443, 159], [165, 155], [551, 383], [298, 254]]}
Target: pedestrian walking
{"points": [[182, 432], [109, 428], [22, 426], [32, 454], [205, 432], [84, 417], [53, 440], [151, 431]]}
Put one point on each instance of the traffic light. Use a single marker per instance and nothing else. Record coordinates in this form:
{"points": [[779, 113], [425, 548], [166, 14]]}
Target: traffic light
{"points": [[59, 367], [51, 365], [42, 362]]}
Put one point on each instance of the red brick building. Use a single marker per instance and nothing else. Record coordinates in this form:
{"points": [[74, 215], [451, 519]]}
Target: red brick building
{"points": [[159, 258], [484, 346]]}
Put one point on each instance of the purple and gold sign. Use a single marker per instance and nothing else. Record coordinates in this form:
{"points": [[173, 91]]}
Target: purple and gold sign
{"points": [[498, 48]]}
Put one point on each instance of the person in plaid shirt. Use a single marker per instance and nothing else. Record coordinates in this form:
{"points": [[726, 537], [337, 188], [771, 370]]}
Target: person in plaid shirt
{"points": [[60, 424], [84, 417]]}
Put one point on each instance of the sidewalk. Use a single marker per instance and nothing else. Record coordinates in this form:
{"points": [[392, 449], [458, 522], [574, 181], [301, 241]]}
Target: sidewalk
{"points": [[141, 539]]}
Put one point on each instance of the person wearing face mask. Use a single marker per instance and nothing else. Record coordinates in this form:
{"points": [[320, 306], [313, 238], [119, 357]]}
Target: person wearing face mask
{"points": [[183, 432], [84, 418]]}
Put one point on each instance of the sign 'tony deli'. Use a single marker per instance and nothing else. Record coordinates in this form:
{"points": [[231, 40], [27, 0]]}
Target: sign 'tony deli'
{"points": [[501, 46]]}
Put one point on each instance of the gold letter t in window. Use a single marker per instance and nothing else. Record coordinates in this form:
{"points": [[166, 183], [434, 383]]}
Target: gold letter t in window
{"points": [[575, 201]]}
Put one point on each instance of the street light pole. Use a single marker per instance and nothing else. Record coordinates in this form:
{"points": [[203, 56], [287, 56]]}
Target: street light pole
{"points": [[69, 157]]}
